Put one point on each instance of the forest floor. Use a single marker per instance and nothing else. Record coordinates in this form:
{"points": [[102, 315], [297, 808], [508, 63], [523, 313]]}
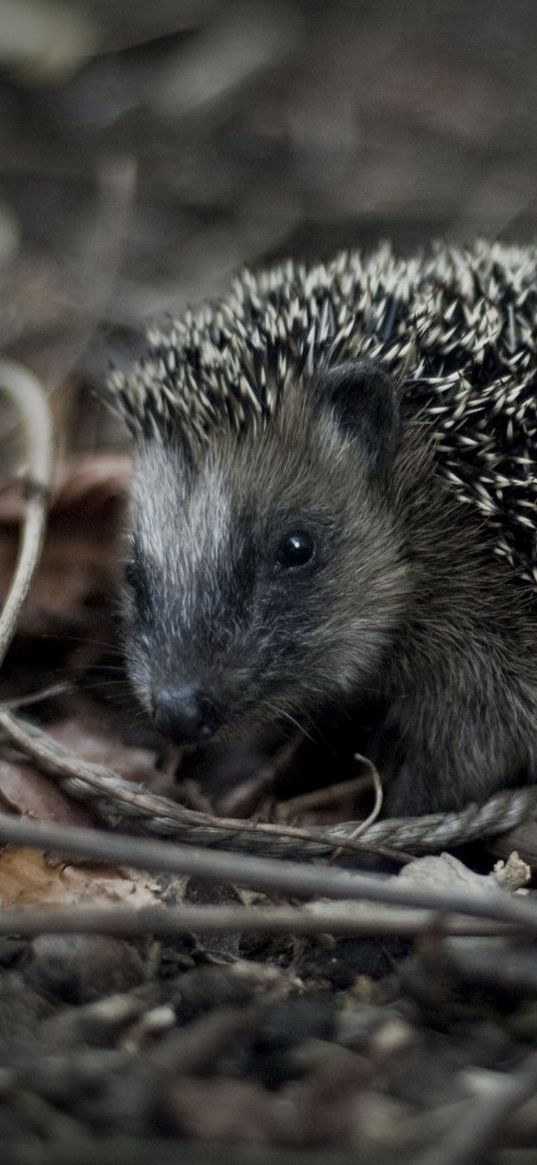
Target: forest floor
{"points": [[144, 156]]}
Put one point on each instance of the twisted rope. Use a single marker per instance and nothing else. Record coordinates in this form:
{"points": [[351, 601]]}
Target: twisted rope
{"points": [[117, 801]]}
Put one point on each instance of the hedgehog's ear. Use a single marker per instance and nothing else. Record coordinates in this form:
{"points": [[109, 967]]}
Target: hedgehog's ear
{"points": [[365, 404]]}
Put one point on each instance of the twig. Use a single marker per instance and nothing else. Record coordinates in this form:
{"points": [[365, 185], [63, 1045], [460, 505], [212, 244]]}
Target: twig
{"points": [[37, 697], [377, 804], [320, 798], [126, 921], [30, 399], [265, 874], [364, 825]]}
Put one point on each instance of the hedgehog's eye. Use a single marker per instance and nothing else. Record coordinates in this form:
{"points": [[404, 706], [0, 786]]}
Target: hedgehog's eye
{"points": [[295, 549]]}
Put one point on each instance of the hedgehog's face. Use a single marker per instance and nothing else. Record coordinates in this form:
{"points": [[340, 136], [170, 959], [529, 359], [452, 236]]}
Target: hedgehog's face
{"points": [[267, 577]]}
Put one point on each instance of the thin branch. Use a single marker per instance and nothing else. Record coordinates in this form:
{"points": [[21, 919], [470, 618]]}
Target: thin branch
{"points": [[30, 400], [377, 805], [265, 874], [36, 697], [321, 798], [127, 921]]}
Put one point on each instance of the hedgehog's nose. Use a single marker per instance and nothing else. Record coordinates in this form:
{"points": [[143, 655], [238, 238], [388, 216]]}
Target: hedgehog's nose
{"points": [[185, 715]]}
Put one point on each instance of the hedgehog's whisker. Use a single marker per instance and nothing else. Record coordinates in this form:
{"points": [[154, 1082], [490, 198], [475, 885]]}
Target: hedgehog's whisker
{"points": [[281, 712]]}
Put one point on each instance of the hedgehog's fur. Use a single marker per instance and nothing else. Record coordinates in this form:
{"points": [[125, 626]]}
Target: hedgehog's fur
{"points": [[455, 332], [456, 328]]}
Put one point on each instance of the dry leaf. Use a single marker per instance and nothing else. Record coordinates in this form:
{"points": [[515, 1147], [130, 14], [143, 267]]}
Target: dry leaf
{"points": [[93, 741], [24, 789], [28, 879]]}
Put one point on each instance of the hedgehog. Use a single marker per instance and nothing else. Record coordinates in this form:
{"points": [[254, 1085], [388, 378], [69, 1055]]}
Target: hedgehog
{"points": [[334, 506]]}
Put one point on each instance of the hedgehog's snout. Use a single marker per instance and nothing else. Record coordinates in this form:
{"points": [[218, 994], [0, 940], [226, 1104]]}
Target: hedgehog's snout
{"points": [[185, 714]]}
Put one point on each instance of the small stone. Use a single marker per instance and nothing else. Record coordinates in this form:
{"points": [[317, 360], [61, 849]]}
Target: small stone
{"points": [[81, 968]]}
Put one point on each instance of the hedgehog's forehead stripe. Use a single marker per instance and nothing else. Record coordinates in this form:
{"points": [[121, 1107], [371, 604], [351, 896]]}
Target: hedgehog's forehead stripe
{"points": [[457, 328]]}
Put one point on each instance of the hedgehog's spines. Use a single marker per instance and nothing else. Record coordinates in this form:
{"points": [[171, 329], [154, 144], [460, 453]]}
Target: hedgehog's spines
{"points": [[456, 328]]}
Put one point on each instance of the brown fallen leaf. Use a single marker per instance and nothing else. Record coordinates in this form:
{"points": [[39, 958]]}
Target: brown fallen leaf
{"points": [[25, 790], [28, 879], [93, 480], [90, 480], [93, 740]]}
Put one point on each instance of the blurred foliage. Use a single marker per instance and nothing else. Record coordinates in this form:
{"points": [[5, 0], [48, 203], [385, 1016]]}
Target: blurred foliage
{"points": [[147, 150]]}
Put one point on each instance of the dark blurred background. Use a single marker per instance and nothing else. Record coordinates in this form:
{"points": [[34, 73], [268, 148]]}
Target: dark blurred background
{"points": [[149, 149]]}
